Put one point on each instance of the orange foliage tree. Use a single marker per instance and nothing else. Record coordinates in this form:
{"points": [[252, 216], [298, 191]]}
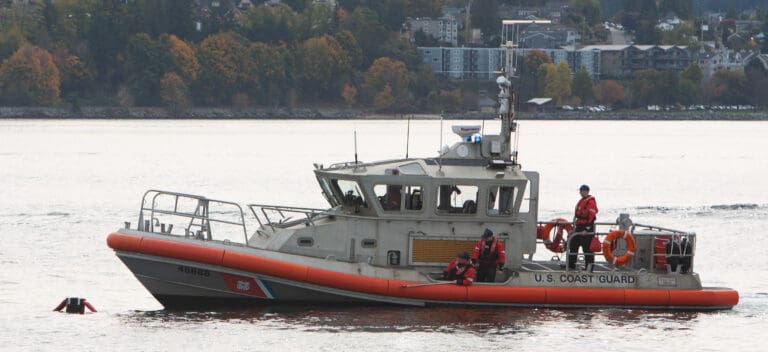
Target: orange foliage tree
{"points": [[184, 58], [386, 72], [222, 68], [173, 91], [325, 65], [609, 92], [29, 77], [384, 99]]}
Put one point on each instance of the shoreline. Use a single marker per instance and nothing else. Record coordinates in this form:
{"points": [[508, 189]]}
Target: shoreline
{"points": [[108, 113]]}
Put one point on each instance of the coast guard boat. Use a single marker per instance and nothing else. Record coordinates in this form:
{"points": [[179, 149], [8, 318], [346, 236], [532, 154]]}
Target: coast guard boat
{"points": [[390, 228]]}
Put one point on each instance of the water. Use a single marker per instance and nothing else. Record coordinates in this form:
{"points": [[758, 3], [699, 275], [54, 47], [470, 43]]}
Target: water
{"points": [[66, 184]]}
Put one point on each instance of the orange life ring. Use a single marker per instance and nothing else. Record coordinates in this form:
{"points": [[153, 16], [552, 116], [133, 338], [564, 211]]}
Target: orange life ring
{"points": [[557, 244], [608, 252]]}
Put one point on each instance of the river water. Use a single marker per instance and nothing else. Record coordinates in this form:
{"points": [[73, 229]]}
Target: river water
{"points": [[66, 184]]}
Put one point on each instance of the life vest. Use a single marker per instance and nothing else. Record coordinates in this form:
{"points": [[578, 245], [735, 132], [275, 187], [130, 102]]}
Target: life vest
{"points": [[586, 210], [489, 253], [464, 274]]}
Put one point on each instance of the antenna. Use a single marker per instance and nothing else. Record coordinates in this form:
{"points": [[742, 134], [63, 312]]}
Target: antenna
{"points": [[440, 147], [355, 147], [408, 136]]}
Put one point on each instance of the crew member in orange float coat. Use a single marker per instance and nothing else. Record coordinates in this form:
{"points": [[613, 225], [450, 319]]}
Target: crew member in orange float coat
{"points": [[461, 270], [489, 254], [586, 212]]}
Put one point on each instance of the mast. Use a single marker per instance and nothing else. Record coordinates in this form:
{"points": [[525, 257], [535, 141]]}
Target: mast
{"points": [[506, 89]]}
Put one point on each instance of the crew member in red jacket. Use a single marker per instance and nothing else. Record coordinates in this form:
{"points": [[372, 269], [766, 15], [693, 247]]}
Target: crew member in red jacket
{"points": [[489, 254], [584, 232], [461, 270]]}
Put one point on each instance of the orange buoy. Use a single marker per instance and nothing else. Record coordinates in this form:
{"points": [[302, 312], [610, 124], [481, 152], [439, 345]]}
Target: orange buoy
{"points": [[557, 245], [608, 252]]}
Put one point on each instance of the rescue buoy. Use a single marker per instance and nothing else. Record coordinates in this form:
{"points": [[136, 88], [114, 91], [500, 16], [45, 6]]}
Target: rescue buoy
{"points": [[608, 251], [557, 245]]}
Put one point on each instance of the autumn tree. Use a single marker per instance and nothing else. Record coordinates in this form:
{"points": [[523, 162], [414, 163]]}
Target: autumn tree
{"points": [[222, 68], [384, 99], [728, 87], [325, 66], [349, 93], [548, 72], [609, 92], [350, 45], [557, 81], [29, 77], [173, 91], [583, 88], [531, 82], [564, 81], [389, 74], [183, 57]]}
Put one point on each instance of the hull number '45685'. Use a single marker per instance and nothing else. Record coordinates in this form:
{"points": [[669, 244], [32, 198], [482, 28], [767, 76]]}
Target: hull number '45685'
{"points": [[193, 271]]}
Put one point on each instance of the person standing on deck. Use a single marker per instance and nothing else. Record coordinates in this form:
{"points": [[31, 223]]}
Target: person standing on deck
{"points": [[489, 254], [584, 232]]}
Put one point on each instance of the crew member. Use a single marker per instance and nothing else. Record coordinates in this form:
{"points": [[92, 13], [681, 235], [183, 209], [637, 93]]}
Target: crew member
{"points": [[74, 305], [584, 231], [461, 270], [489, 254]]}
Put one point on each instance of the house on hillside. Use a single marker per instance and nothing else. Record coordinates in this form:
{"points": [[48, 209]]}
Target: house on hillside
{"points": [[445, 29]]}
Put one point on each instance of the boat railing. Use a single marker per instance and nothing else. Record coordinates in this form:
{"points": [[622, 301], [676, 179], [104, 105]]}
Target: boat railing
{"points": [[162, 210], [668, 249], [278, 216]]}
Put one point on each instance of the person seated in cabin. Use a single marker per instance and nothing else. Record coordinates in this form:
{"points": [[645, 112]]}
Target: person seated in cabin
{"points": [[461, 270], [490, 256], [391, 200]]}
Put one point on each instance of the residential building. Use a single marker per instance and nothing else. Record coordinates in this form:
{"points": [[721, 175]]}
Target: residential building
{"points": [[549, 39], [600, 61], [621, 61], [463, 63], [444, 29], [728, 60]]}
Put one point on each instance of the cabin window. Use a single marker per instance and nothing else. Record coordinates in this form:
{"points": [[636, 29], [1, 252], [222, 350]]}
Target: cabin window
{"points": [[501, 200], [399, 197], [457, 199], [350, 193], [328, 193]]}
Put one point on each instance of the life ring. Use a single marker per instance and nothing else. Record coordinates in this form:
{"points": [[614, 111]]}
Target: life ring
{"points": [[608, 252], [556, 245]]}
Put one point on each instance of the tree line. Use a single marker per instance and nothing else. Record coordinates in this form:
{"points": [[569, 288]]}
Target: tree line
{"points": [[541, 78], [297, 53], [170, 53]]}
